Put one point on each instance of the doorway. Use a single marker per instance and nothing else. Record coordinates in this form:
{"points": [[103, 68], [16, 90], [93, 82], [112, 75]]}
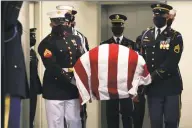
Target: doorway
{"points": [[139, 18]]}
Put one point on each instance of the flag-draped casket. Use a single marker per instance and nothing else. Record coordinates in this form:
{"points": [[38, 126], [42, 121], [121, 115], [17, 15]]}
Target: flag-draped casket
{"points": [[110, 71]]}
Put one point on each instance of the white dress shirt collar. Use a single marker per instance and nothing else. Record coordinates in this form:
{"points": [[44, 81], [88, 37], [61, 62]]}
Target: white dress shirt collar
{"points": [[121, 38], [162, 29]]}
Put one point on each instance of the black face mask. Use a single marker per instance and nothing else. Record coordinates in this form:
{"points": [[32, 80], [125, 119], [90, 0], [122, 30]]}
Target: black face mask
{"points": [[62, 30], [32, 39], [169, 22], [159, 21], [117, 30]]}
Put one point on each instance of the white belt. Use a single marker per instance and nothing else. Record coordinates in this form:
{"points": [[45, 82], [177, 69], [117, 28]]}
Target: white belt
{"points": [[68, 69]]}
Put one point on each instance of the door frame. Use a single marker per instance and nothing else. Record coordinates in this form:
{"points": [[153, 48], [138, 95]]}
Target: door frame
{"points": [[100, 5]]}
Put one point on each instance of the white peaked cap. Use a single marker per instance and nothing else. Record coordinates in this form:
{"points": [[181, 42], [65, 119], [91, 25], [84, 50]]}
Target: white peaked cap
{"points": [[65, 7], [172, 12], [57, 13]]}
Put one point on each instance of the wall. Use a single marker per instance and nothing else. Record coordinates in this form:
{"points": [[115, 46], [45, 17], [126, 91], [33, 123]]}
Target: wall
{"points": [[183, 24], [87, 23], [24, 19]]}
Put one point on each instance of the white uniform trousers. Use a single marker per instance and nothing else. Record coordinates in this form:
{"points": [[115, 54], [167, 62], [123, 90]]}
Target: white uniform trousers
{"points": [[56, 110]]}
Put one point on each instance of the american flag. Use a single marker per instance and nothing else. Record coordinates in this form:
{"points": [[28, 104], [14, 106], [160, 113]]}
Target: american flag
{"points": [[110, 71]]}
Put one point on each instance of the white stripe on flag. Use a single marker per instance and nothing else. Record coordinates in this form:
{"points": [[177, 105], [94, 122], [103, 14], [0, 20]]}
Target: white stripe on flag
{"points": [[122, 75], [103, 71]]}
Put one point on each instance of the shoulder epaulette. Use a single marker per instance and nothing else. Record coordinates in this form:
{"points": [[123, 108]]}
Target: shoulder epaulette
{"points": [[149, 28], [175, 33]]}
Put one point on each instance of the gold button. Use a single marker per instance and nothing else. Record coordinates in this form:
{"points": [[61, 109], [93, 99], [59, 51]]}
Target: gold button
{"points": [[69, 48], [71, 63], [70, 52], [71, 58]]}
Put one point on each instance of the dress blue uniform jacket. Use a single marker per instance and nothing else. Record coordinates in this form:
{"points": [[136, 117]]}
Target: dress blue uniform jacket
{"points": [[162, 56], [64, 54]]}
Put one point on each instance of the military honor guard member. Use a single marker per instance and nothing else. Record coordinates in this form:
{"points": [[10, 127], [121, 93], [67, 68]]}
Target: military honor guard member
{"points": [[35, 84], [126, 105], [84, 40], [84, 48], [14, 78], [162, 48], [59, 51]]}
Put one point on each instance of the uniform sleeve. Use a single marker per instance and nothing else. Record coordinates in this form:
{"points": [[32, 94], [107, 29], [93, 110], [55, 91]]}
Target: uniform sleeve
{"points": [[33, 64], [46, 52], [138, 43], [171, 62], [142, 50], [133, 45], [37, 62], [78, 52], [34, 77]]}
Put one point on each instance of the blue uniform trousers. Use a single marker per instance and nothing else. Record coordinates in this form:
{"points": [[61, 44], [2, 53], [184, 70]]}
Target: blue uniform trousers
{"points": [[14, 114], [165, 107]]}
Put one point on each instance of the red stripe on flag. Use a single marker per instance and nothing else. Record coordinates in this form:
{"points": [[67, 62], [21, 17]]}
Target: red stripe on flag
{"points": [[81, 73], [146, 72], [132, 64], [93, 56], [112, 71]]}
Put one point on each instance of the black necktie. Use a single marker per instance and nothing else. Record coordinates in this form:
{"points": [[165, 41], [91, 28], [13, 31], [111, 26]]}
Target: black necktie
{"points": [[117, 40], [158, 32]]}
